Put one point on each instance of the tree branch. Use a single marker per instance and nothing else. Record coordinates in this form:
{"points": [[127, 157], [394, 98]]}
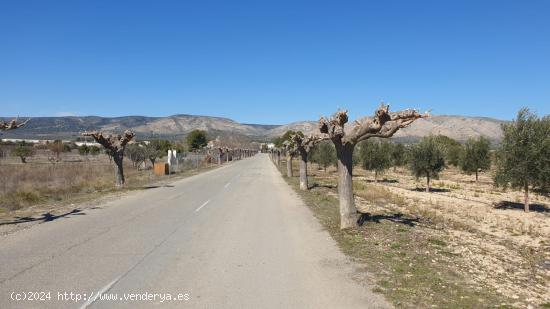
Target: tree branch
{"points": [[384, 124], [12, 125], [111, 142]]}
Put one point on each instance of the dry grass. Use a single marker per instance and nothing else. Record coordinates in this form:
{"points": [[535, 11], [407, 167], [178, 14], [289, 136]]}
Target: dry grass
{"points": [[27, 184], [38, 182], [451, 249]]}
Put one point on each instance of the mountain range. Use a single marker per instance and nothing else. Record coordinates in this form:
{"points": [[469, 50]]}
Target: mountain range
{"points": [[177, 126]]}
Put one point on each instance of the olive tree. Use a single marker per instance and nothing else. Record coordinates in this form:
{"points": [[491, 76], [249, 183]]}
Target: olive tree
{"points": [[383, 124], [324, 154], [375, 156], [452, 149], [94, 150], [156, 149], [426, 159], [23, 151], [114, 146], [475, 156], [136, 153], [522, 161], [397, 155], [84, 150]]}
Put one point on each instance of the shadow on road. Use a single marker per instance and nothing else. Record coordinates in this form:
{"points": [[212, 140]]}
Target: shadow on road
{"points": [[47, 217], [397, 218]]}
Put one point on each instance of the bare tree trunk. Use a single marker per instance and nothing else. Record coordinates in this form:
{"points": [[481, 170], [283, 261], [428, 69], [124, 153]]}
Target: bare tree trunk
{"points": [[526, 192], [119, 169], [278, 159], [289, 165], [303, 170], [383, 125], [348, 212], [428, 182], [375, 176], [476, 175]]}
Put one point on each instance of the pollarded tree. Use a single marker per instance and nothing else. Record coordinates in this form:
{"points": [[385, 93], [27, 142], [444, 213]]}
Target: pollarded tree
{"points": [[475, 156], [114, 146], [384, 124], [375, 156], [302, 146], [426, 159], [324, 154], [287, 144], [287, 136], [523, 159], [12, 125], [290, 152]]}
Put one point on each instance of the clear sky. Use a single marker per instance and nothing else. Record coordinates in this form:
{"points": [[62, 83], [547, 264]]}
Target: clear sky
{"points": [[273, 61]]}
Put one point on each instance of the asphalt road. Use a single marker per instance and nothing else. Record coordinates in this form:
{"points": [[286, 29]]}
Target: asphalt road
{"points": [[234, 237]]}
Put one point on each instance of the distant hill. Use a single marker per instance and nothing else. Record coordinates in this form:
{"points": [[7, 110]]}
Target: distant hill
{"points": [[177, 126]]}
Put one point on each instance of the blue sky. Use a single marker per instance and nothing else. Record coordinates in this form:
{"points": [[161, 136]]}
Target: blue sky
{"points": [[273, 61]]}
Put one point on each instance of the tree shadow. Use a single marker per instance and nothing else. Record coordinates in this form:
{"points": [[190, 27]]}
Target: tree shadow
{"points": [[397, 218], [519, 206], [385, 180], [156, 186], [317, 185], [46, 217], [431, 190]]}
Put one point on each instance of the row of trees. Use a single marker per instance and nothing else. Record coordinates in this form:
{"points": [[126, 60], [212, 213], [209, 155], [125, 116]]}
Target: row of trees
{"points": [[522, 161], [428, 157], [116, 145], [383, 124]]}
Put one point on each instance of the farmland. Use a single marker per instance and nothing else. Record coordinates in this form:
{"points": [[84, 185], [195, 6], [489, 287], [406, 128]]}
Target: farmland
{"points": [[44, 186], [465, 244]]}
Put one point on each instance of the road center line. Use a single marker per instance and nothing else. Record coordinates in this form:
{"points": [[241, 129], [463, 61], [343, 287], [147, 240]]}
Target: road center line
{"points": [[201, 206]]}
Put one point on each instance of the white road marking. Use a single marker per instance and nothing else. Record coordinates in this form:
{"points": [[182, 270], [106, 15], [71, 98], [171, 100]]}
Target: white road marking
{"points": [[91, 299], [201, 206]]}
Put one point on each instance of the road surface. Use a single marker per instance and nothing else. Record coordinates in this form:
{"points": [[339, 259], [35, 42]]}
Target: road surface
{"points": [[234, 237]]}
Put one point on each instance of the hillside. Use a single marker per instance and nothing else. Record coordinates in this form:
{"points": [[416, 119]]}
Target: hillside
{"points": [[177, 126]]}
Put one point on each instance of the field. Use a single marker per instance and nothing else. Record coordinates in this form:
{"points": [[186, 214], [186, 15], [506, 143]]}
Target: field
{"points": [[464, 245], [40, 190]]}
